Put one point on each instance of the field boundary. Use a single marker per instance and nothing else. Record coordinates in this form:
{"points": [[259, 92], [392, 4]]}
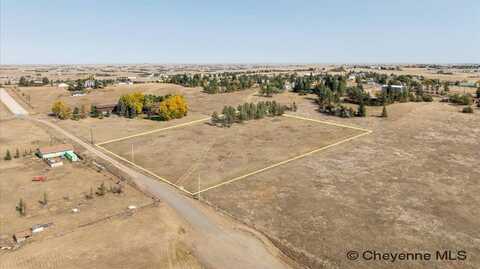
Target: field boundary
{"points": [[364, 132], [152, 131], [145, 170]]}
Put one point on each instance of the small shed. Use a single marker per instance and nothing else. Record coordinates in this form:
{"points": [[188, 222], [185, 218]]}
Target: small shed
{"points": [[21, 236], [71, 156], [54, 162]]}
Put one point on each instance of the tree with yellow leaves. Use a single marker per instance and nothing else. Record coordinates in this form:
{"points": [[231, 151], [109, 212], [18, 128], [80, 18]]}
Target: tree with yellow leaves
{"points": [[61, 110], [131, 104], [173, 107]]}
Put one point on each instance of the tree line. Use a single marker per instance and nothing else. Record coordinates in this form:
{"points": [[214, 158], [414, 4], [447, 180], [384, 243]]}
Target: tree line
{"points": [[155, 107], [246, 112], [24, 82], [232, 81], [164, 108]]}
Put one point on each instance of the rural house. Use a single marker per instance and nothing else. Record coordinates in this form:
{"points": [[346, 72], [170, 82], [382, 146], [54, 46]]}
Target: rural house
{"points": [[89, 83], [393, 88], [105, 108], [63, 150]]}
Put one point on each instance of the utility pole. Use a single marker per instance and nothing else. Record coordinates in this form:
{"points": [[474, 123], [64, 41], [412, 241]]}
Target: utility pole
{"points": [[133, 160], [198, 188], [91, 135]]}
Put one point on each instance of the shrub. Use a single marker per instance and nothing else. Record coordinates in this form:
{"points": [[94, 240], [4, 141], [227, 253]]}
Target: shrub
{"points": [[427, 98], [460, 99], [467, 109]]}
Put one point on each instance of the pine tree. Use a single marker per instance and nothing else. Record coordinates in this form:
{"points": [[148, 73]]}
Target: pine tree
{"points": [[22, 207], [76, 113], [253, 111], [361, 110], [17, 154], [8, 156], [93, 111]]}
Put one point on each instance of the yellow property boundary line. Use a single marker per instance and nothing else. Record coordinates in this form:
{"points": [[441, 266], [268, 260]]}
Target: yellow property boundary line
{"points": [[365, 132], [152, 131], [145, 170]]}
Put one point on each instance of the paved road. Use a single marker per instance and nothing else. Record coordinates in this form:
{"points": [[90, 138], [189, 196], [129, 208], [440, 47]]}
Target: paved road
{"points": [[11, 104], [218, 245]]}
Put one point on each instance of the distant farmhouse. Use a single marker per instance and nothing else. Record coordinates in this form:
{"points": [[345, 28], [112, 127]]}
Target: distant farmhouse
{"points": [[105, 108], [89, 83], [393, 88]]}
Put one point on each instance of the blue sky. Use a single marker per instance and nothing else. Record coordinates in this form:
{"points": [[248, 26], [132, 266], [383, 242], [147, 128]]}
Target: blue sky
{"points": [[247, 31]]}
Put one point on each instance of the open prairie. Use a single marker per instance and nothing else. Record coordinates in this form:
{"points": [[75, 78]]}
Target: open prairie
{"points": [[457, 74], [214, 155], [42, 98], [411, 185], [22, 135]]}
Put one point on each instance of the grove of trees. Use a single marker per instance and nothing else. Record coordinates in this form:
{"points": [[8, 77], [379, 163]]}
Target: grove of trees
{"points": [[24, 82], [246, 112], [155, 107], [233, 81]]}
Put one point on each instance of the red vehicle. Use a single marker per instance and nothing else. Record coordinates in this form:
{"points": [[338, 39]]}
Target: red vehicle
{"points": [[39, 178]]}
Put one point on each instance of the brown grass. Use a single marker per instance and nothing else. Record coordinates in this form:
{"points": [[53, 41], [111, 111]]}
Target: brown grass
{"points": [[214, 155]]}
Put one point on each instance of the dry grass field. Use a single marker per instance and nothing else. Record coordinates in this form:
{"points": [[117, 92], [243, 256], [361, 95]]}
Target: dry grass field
{"points": [[214, 155], [100, 234], [42, 98], [66, 188], [121, 242], [22, 134], [116, 127], [4, 112], [412, 185], [457, 75]]}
